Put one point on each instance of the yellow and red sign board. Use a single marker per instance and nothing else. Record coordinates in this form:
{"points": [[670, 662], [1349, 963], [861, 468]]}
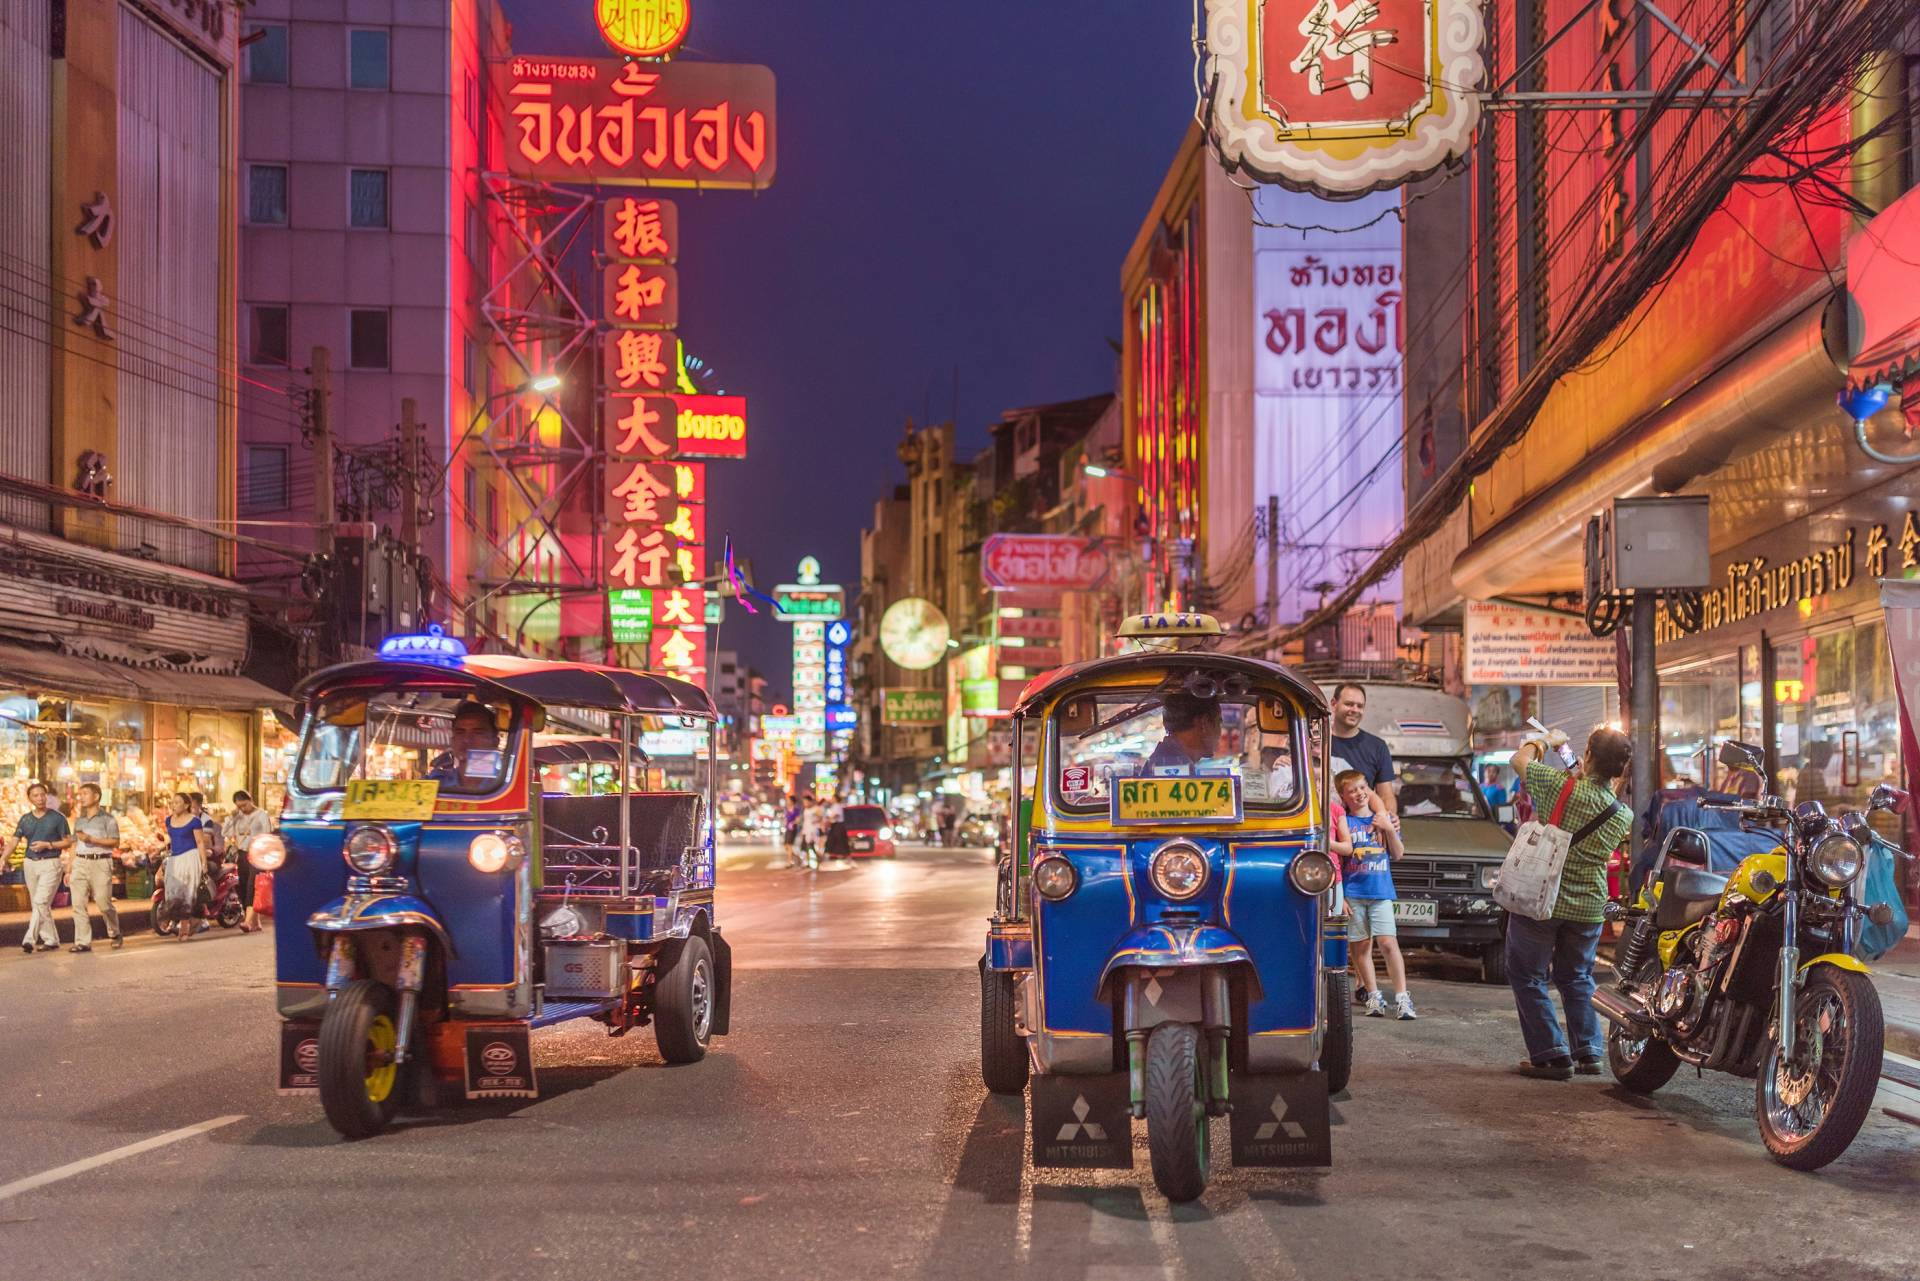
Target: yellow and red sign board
{"points": [[643, 28], [400, 800], [1343, 96]]}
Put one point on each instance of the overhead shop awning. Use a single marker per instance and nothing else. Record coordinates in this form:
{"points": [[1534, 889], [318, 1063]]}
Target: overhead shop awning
{"points": [[1883, 300], [205, 689], [46, 671]]}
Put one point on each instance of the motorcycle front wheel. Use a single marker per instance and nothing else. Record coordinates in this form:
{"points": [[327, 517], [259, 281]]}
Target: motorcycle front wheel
{"points": [[360, 1084], [1177, 1137], [1809, 1108]]}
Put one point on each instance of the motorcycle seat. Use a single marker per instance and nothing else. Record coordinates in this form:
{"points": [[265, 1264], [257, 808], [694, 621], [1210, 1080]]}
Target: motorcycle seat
{"points": [[1687, 895]]}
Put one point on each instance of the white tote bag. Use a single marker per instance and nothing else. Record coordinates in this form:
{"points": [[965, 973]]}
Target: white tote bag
{"points": [[1529, 883]]}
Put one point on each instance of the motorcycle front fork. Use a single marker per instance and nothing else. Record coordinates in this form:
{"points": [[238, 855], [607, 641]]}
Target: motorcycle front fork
{"points": [[343, 966]]}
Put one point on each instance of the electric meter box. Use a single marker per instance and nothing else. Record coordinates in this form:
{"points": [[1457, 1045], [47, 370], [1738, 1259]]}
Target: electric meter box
{"points": [[1658, 544]]}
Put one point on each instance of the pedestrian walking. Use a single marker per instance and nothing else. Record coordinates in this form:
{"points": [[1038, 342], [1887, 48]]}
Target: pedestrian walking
{"points": [[96, 839], [45, 833], [1561, 948], [187, 843], [1367, 844], [246, 822]]}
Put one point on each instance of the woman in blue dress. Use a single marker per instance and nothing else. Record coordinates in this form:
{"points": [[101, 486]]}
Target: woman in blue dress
{"points": [[186, 870]]}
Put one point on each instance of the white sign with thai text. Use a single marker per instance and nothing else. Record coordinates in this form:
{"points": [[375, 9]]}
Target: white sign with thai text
{"points": [[1510, 645]]}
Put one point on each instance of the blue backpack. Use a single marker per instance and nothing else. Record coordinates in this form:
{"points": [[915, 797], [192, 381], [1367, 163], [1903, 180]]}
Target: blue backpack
{"points": [[1881, 884]]}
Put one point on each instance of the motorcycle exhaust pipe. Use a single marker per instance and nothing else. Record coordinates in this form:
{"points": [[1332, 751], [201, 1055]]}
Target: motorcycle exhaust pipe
{"points": [[1617, 1007]]}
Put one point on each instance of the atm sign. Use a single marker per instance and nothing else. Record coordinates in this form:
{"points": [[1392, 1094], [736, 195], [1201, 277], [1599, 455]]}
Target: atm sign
{"points": [[712, 426]]}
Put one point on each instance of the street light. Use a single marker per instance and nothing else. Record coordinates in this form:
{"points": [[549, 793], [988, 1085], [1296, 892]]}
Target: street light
{"points": [[550, 382], [1099, 472]]}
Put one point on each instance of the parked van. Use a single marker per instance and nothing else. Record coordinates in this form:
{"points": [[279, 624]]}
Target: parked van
{"points": [[1454, 840]]}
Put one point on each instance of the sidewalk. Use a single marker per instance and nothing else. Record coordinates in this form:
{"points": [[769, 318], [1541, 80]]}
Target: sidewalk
{"points": [[1897, 975], [136, 916]]}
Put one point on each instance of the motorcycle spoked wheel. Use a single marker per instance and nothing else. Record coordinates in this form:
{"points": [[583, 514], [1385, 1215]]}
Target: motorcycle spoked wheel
{"points": [[1641, 1064], [1810, 1108], [1178, 1139], [360, 1085]]}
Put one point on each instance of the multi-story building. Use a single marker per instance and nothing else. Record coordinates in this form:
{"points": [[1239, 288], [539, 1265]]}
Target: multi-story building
{"points": [[366, 230], [123, 635], [885, 753]]}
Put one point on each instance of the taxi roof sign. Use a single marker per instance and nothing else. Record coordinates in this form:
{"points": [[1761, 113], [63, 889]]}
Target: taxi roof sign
{"points": [[1171, 625]]}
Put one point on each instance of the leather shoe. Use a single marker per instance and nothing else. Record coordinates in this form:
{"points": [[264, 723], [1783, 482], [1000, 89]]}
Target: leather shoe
{"points": [[1586, 1067], [118, 942], [1560, 1069], [81, 947]]}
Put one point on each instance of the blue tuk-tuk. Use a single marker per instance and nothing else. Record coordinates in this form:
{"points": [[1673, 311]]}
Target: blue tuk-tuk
{"points": [[1165, 945], [479, 846]]}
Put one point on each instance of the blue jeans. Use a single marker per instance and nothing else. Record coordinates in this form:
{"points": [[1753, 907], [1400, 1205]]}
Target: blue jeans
{"points": [[1562, 951]]}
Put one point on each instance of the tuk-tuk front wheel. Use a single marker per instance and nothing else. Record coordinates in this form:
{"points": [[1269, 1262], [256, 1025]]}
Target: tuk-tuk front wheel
{"points": [[683, 1004], [1177, 1135], [360, 1084], [1003, 1054]]}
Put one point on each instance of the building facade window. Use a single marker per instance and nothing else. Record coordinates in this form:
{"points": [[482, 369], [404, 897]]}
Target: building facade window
{"points": [[369, 59], [267, 194], [264, 478], [470, 367], [267, 334], [267, 53], [468, 485], [367, 197], [367, 338]]}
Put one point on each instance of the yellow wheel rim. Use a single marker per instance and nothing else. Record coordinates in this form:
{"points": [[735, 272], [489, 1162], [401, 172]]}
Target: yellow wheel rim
{"points": [[380, 1068]]}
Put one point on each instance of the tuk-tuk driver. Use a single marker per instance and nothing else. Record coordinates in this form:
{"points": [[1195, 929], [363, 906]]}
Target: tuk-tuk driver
{"points": [[1192, 732], [473, 764]]}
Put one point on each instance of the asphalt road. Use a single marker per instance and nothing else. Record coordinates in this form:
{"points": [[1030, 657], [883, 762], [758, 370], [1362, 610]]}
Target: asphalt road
{"points": [[842, 1131]]}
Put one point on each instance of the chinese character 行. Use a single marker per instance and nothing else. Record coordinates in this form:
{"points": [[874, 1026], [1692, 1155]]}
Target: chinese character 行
{"points": [[1333, 32], [640, 559]]}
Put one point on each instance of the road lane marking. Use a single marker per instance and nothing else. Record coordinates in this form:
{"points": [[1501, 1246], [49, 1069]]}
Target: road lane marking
{"points": [[31, 1182]]}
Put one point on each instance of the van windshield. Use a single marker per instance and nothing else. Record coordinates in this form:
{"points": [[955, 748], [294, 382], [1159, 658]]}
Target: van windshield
{"points": [[1439, 789], [452, 739]]}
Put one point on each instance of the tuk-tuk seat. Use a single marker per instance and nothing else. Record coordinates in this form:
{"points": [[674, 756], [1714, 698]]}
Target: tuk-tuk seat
{"points": [[580, 841]]}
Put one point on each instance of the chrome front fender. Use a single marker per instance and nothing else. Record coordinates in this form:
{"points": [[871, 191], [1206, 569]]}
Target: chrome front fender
{"points": [[363, 913], [1156, 947]]}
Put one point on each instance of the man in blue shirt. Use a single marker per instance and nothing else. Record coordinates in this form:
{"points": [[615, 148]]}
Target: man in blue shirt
{"points": [[1193, 733], [45, 834]]}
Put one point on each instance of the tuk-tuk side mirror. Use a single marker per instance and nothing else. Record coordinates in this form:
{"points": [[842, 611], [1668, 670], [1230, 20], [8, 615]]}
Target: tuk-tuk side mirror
{"points": [[1276, 716], [536, 718], [349, 712]]}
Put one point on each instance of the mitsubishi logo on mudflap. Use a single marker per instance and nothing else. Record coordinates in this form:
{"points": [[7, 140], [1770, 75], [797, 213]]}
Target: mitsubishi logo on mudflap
{"points": [[1080, 1125], [1293, 1129]]}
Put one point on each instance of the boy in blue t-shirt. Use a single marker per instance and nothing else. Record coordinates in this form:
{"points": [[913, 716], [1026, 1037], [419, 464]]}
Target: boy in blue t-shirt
{"points": [[1367, 843]]}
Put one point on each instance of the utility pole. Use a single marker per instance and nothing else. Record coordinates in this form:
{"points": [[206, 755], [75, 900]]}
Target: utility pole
{"points": [[411, 469], [1644, 714], [1273, 560], [324, 515]]}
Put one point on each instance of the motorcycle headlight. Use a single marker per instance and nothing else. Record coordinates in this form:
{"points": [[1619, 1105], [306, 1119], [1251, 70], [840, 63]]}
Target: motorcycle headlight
{"points": [[1835, 860], [1179, 870], [492, 852], [371, 850], [1311, 872], [886, 833], [1054, 877], [1489, 875], [266, 852]]}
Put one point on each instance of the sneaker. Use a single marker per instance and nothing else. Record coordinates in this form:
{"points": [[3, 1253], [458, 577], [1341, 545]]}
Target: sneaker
{"points": [[1558, 1069], [1586, 1067], [1376, 1005], [81, 947], [1403, 1007]]}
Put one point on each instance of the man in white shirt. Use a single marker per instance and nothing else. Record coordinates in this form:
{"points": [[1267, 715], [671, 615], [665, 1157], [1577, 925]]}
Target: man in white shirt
{"points": [[246, 822], [96, 839]]}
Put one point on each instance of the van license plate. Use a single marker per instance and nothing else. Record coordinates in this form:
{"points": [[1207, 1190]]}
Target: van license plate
{"points": [[1416, 911]]}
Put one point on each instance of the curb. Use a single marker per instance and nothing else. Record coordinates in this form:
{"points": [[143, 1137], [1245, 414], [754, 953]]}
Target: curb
{"points": [[1903, 1038], [136, 916]]}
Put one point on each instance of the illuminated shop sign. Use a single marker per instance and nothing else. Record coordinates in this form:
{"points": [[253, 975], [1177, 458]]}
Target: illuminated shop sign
{"points": [[712, 426], [631, 612], [643, 28], [640, 295], [639, 229]]}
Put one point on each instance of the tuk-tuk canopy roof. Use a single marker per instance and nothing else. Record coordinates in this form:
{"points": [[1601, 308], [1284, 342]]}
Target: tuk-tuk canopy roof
{"points": [[605, 689], [1047, 684]]}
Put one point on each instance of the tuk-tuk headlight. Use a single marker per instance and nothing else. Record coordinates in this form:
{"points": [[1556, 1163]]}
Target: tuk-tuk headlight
{"points": [[1179, 870], [266, 852], [1835, 860], [371, 850], [1311, 872], [1054, 877], [492, 852]]}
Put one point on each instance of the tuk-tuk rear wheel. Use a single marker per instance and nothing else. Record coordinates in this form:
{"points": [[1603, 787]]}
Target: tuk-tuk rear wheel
{"points": [[360, 1086], [1178, 1140], [1336, 1049], [683, 1004]]}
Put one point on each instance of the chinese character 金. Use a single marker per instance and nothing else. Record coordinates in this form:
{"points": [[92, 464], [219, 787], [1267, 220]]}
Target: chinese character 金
{"points": [[638, 359], [637, 433], [640, 559], [638, 293], [1332, 33], [677, 650], [638, 231], [640, 493]]}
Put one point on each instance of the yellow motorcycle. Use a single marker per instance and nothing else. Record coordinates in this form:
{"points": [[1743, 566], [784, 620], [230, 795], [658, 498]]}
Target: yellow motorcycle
{"points": [[1754, 974]]}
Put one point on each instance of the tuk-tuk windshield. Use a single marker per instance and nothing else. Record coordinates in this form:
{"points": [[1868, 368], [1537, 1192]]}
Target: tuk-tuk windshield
{"points": [[461, 742], [1124, 733]]}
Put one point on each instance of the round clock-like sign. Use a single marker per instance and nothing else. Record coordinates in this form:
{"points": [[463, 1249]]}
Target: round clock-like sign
{"points": [[643, 28], [913, 633]]}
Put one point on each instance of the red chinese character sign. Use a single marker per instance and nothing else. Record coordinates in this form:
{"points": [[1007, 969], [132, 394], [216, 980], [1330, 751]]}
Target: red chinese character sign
{"points": [[640, 295], [643, 28], [601, 120], [633, 229], [1343, 96], [636, 361], [1055, 562]]}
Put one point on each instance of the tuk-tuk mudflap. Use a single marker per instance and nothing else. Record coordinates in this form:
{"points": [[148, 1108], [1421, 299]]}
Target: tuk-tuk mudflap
{"points": [[1281, 1120]]}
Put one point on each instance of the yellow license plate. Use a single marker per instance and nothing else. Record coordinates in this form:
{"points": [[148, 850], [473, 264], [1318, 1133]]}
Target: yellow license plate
{"points": [[1177, 800], [398, 799]]}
